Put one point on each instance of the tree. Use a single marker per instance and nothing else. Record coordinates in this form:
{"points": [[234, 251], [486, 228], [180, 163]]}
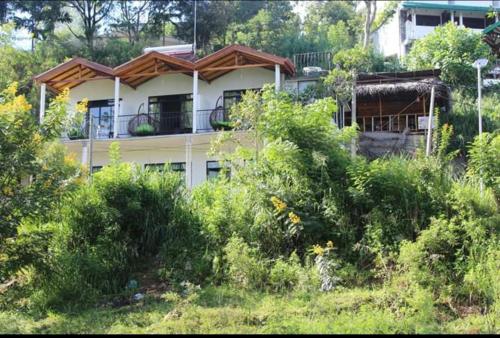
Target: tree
{"points": [[93, 13], [39, 17], [130, 19], [274, 29], [322, 15], [452, 49], [28, 183], [371, 12]]}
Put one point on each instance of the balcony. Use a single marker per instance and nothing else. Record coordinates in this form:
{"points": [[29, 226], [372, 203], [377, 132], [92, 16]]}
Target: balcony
{"points": [[154, 124]]}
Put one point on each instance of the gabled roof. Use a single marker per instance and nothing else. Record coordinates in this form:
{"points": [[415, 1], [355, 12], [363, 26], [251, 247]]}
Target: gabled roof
{"points": [[237, 57], [72, 73], [154, 63], [147, 66]]}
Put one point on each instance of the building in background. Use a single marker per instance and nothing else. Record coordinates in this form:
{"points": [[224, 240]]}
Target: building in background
{"points": [[415, 19]]}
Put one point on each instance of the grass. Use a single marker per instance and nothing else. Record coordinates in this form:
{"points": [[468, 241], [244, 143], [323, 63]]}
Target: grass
{"points": [[226, 310]]}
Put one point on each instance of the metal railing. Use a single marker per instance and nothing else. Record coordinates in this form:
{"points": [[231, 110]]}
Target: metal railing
{"points": [[151, 124], [313, 59], [387, 123]]}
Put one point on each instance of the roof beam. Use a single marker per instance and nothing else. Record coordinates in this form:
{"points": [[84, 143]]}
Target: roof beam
{"points": [[255, 65]]}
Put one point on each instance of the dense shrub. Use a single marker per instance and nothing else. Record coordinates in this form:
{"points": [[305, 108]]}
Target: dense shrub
{"points": [[455, 256], [123, 219]]}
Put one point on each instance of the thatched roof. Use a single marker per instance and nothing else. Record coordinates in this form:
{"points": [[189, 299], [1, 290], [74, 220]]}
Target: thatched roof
{"points": [[417, 87], [398, 83]]}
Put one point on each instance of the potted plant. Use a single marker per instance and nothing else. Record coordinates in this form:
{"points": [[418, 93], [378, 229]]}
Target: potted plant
{"points": [[144, 129], [222, 125]]}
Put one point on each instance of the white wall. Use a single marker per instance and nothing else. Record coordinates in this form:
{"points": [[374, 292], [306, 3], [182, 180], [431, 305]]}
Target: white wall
{"points": [[172, 84], [168, 148]]}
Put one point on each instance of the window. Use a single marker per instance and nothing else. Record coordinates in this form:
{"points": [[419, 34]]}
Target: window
{"points": [[474, 22], [234, 96], [214, 168], [428, 20], [173, 112], [96, 168], [175, 166], [102, 117]]}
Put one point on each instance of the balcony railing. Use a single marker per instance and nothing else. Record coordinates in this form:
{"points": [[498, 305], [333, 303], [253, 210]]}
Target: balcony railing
{"points": [[153, 124]]}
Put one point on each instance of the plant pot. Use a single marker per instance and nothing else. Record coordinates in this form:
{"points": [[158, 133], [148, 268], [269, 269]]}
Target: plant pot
{"points": [[222, 125], [144, 129]]}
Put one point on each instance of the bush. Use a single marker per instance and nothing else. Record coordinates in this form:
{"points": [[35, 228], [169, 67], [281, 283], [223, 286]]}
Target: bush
{"points": [[246, 268], [483, 161], [454, 256], [111, 227]]}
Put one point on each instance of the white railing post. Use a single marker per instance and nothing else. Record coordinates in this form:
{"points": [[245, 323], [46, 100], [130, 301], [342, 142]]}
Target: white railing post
{"points": [[116, 111], [429, 125], [195, 101], [277, 77], [43, 89]]}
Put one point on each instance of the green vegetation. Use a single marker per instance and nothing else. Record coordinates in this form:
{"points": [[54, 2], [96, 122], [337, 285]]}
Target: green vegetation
{"points": [[144, 129], [301, 238], [226, 310]]}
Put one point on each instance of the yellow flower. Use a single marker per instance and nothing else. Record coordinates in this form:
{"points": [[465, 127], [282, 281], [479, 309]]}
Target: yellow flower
{"points": [[318, 250], [278, 204], [293, 217], [81, 107], [329, 244]]}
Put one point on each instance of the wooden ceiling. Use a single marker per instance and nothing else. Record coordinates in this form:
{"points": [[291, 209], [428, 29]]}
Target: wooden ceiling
{"points": [[147, 66], [73, 73]]}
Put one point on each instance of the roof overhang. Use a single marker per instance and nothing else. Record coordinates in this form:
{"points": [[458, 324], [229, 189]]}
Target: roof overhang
{"points": [[239, 57], [147, 66], [448, 7], [72, 73], [154, 63]]}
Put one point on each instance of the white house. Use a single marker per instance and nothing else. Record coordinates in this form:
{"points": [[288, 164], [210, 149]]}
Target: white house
{"points": [[163, 106], [415, 19]]}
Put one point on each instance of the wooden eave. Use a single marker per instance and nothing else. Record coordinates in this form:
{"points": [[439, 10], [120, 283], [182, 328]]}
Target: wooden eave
{"points": [[72, 73], [239, 57], [147, 66]]}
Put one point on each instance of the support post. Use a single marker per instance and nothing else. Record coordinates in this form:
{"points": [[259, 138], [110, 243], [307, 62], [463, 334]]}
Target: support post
{"points": [[195, 101], [461, 19], [85, 151], [353, 115], [43, 90], [116, 111], [189, 166], [277, 77], [479, 93], [429, 125], [91, 144]]}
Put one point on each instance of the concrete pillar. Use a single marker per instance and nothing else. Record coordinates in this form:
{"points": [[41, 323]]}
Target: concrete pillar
{"points": [[461, 19], [85, 152], [116, 108], [189, 160], [43, 89], [353, 115], [277, 77], [195, 101]]}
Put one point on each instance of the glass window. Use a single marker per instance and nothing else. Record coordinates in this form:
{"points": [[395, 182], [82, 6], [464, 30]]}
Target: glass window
{"points": [[214, 168], [96, 168], [175, 166], [102, 117], [428, 20], [474, 22], [232, 97]]}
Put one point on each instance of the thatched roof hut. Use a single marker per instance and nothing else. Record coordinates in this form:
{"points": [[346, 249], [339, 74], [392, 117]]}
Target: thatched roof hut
{"points": [[395, 101]]}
